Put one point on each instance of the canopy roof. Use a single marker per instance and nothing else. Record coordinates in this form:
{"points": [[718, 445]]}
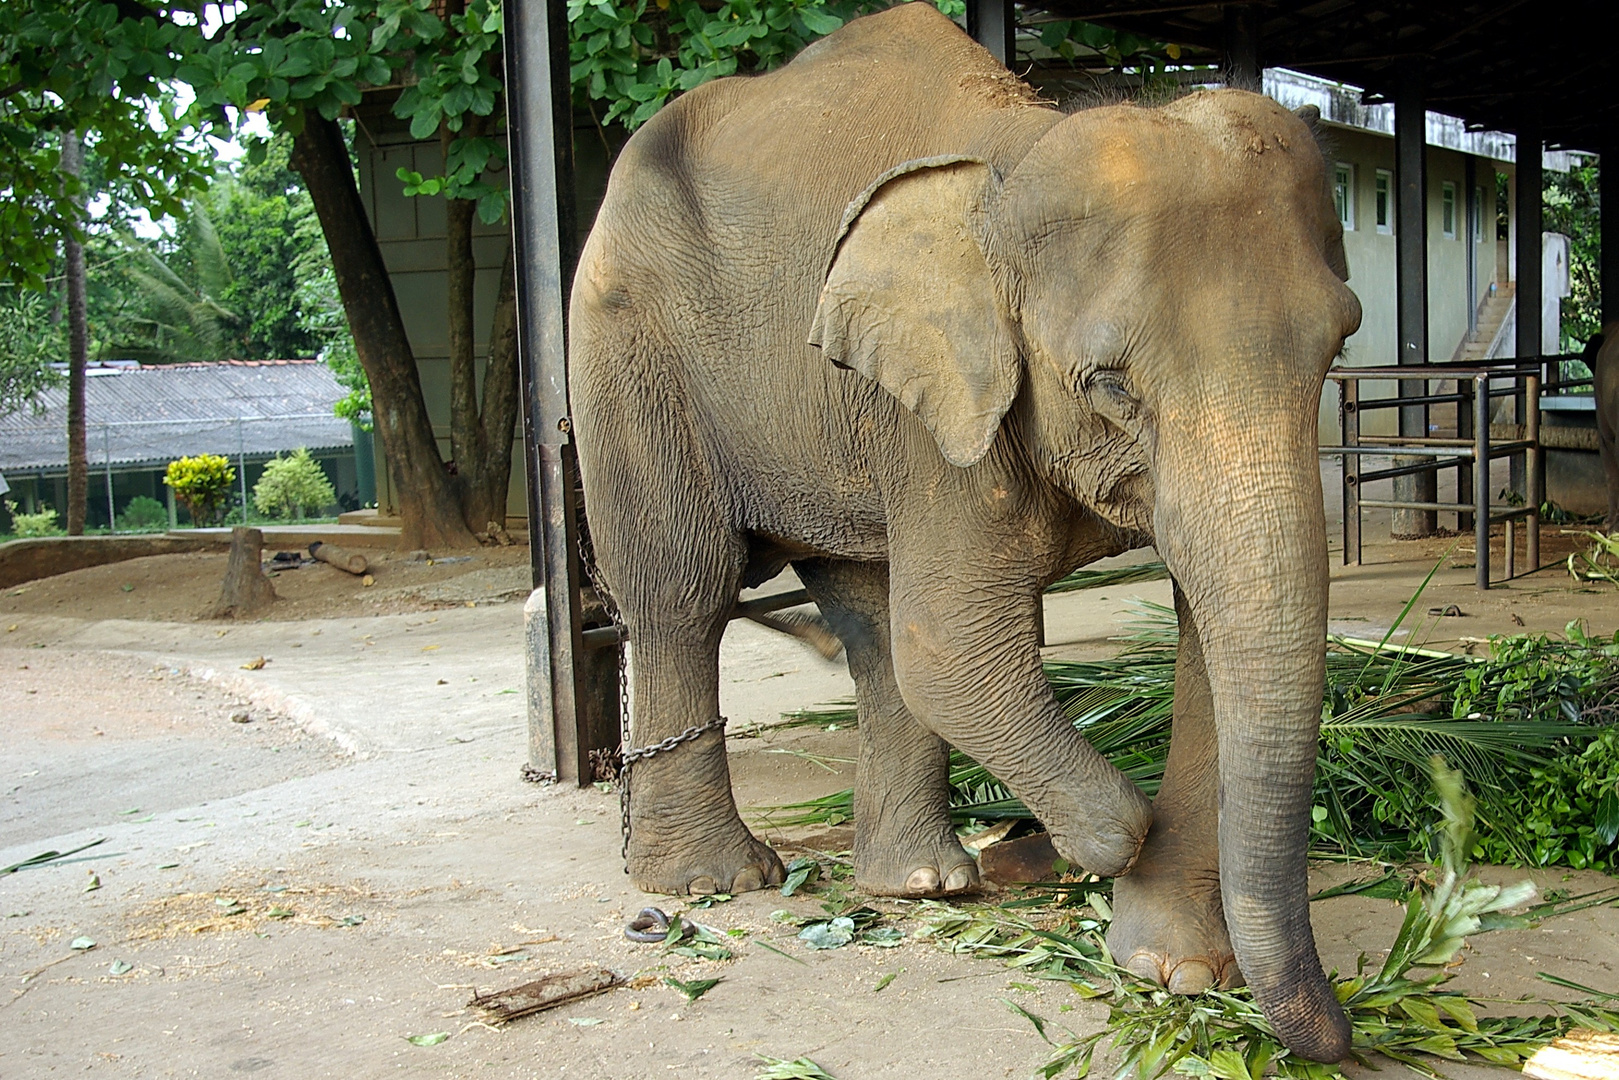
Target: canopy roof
{"points": [[148, 416], [1486, 61]]}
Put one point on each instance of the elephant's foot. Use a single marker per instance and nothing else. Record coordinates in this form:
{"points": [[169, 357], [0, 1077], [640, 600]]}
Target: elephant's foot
{"points": [[1169, 929], [907, 867], [678, 863]]}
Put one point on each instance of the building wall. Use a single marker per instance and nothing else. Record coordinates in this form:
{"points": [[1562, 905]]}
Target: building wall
{"points": [[1371, 255], [411, 233]]}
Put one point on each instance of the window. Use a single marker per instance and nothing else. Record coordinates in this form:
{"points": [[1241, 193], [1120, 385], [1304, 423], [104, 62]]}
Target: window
{"points": [[1385, 206], [1478, 215], [1447, 210], [1343, 193]]}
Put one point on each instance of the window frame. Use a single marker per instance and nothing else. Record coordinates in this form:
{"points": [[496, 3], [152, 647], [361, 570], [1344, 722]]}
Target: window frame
{"points": [[1346, 209], [1385, 178], [1447, 207]]}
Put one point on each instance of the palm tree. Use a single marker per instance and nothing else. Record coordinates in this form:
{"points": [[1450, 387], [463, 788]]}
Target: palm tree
{"points": [[185, 320]]}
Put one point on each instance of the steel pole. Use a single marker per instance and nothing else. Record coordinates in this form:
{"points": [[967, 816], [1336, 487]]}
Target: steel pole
{"points": [[1411, 277], [572, 695]]}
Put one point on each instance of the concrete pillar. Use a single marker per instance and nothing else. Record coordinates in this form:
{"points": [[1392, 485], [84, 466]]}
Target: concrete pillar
{"points": [[993, 24], [573, 692], [1530, 283], [1411, 282], [1241, 47]]}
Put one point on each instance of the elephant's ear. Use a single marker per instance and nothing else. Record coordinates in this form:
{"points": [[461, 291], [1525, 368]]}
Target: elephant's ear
{"points": [[909, 301]]}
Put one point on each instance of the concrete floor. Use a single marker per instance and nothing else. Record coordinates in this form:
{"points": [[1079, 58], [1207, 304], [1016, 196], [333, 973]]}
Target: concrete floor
{"points": [[374, 796]]}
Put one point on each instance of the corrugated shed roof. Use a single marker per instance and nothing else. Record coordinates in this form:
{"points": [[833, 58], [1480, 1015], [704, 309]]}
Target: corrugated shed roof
{"points": [[154, 414]]}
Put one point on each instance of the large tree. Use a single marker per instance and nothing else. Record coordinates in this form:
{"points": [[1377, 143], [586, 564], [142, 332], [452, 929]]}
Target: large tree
{"points": [[301, 63]]}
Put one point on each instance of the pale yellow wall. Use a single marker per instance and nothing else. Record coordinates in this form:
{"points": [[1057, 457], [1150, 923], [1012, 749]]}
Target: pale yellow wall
{"points": [[1371, 258]]}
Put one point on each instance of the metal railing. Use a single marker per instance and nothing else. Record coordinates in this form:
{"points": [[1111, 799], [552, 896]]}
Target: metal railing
{"points": [[1469, 453]]}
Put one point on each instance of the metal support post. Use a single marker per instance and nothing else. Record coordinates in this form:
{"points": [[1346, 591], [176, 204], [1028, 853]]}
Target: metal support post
{"points": [[1529, 256], [993, 24], [1465, 426], [241, 463], [1411, 265], [1241, 47], [1481, 481], [106, 465], [1349, 424], [1535, 467], [1471, 224], [572, 693]]}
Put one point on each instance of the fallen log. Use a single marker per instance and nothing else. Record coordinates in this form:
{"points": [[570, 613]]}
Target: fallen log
{"points": [[342, 558], [246, 591], [544, 993]]}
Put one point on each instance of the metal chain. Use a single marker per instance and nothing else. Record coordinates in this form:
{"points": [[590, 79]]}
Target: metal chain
{"points": [[587, 558], [626, 755]]}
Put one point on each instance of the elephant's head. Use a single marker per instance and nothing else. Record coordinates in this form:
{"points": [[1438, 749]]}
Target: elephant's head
{"points": [[1148, 302]]}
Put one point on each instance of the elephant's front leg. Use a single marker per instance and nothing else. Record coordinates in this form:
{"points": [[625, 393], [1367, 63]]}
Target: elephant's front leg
{"points": [[904, 842], [968, 667], [1169, 926]]}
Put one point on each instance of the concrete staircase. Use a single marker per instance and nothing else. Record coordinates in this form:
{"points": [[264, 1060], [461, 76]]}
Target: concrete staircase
{"points": [[1486, 343]]}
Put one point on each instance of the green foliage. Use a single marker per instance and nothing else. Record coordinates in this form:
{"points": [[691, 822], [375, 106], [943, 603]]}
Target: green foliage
{"points": [[143, 514], [201, 484], [1403, 1011], [1599, 562], [42, 523], [76, 65], [1571, 207], [1515, 722], [184, 319], [29, 343], [292, 485], [634, 57], [271, 239]]}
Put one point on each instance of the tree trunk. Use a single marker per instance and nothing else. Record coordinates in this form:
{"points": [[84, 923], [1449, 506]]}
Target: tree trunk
{"points": [[78, 468], [429, 511], [484, 482], [246, 591]]}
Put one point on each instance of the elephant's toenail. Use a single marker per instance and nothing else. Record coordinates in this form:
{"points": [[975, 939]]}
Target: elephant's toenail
{"points": [[702, 886], [748, 880], [960, 879], [1146, 967], [924, 880], [1191, 977]]}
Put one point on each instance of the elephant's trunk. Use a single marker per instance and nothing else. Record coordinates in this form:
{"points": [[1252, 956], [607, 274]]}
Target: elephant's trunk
{"points": [[1239, 521]]}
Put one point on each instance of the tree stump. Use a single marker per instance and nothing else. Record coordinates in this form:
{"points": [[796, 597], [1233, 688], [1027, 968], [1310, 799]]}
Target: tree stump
{"points": [[246, 590]]}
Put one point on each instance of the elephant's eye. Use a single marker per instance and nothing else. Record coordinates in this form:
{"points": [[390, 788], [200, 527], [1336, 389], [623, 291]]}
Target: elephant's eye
{"points": [[1111, 393]]}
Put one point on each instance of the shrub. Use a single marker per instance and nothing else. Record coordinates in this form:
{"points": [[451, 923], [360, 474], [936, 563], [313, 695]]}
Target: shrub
{"points": [[142, 514], [41, 524], [292, 485], [202, 484]]}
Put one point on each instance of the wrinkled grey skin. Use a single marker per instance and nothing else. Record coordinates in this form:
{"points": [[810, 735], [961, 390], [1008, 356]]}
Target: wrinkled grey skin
{"points": [[1604, 365], [884, 316]]}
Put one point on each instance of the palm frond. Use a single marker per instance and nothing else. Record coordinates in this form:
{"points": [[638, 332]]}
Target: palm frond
{"points": [[1387, 711]]}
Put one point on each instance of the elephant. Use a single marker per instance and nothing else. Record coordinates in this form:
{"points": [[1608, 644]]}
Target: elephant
{"points": [[1602, 357], [884, 315]]}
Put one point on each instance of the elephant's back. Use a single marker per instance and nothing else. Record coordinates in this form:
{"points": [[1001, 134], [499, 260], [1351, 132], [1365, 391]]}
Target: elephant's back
{"points": [[708, 253]]}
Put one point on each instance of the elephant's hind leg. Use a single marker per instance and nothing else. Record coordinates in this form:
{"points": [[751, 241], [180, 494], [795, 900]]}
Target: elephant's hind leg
{"points": [[904, 843], [674, 567], [1169, 924]]}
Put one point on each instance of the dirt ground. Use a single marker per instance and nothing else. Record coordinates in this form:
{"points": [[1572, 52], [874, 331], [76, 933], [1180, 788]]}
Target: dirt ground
{"points": [[296, 895], [183, 588]]}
